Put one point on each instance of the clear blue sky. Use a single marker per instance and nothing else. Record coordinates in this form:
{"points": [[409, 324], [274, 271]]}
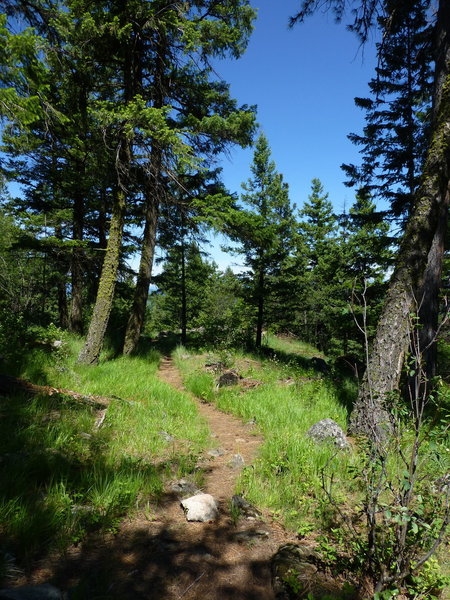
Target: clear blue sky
{"points": [[303, 81]]}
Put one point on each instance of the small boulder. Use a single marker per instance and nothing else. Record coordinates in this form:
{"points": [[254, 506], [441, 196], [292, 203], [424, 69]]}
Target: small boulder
{"points": [[183, 487], [244, 507], [237, 461], [201, 507], [166, 436], [298, 572], [228, 378], [328, 430], [33, 592], [215, 452], [251, 535]]}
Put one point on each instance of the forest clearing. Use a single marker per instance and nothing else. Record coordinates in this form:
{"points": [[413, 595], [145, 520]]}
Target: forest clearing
{"points": [[274, 428]]}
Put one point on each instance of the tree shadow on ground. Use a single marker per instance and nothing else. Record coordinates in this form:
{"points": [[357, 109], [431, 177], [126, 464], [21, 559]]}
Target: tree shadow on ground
{"points": [[54, 478], [160, 562]]}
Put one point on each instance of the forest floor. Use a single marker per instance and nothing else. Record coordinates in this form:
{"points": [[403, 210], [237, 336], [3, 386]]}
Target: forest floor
{"points": [[163, 556]]}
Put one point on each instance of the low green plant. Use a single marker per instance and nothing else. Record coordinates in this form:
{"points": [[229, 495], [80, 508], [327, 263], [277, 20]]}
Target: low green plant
{"points": [[286, 476], [429, 582]]}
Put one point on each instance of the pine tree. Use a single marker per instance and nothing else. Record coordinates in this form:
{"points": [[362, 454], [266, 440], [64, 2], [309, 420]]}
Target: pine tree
{"points": [[182, 287], [398, 111], [422, 242], [264, 228]]}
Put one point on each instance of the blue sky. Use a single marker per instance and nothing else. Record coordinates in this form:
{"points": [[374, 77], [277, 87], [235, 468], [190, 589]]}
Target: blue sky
{"points": [[303, 81]]}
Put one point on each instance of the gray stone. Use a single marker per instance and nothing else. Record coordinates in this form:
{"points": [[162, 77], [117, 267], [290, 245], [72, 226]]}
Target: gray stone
{"points": [[298, 573], [328, 430], [236, 462], [33, 592], [228, 378], [216, 452], [201, 507], [184, 487], [244, 507], [58, 344], [166, 436], [250, 535]]}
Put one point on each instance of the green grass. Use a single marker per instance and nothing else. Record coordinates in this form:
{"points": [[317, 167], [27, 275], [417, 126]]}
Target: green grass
{"points": [[287, 477], [61, 478]]}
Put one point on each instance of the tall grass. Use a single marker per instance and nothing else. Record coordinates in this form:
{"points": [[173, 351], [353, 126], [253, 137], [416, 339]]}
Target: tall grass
{"points": [[61, 477], [287, 476]]}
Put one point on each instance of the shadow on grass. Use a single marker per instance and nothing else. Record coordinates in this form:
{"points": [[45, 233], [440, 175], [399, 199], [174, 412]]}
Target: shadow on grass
{"points": [[343, 386], [54, 529], [56, 482]]}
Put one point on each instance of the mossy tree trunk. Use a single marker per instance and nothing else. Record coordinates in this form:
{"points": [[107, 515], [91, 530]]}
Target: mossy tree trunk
{"points": [[136, 319], [370, 415], [105, 294]]}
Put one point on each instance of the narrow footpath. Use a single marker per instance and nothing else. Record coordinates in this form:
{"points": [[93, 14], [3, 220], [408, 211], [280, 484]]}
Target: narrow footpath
{"points": [[159, 555], [223, 559]]}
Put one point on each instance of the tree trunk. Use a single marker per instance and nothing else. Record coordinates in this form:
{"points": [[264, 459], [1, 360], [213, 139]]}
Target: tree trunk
{"points": [[105, 294], [62, 304], [183, 294], [370, 415], [137, 314], [76, 309], [428, 297], [260, 318]]}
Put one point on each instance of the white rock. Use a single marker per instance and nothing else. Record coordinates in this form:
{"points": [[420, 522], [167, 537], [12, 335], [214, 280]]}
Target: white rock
{"points": [[201, 507]]}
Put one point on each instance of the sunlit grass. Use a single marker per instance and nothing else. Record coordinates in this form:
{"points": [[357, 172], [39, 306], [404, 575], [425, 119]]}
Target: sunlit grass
{"points": [[287, 476]]}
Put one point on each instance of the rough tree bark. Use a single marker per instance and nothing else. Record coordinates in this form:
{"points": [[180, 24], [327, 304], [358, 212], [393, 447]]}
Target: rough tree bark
{"points": [[137, 315], [429, 295], [370, 415], [76, 308]]}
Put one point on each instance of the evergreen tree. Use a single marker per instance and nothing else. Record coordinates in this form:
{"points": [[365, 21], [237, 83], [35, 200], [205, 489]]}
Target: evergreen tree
{"points": [[393, 143], [263, 229], [182, 287], [317, 292], [225, 318], [422, 243]]}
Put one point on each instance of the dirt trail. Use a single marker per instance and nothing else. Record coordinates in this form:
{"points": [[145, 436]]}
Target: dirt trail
{"points": [[220, 560], [160, 556]]}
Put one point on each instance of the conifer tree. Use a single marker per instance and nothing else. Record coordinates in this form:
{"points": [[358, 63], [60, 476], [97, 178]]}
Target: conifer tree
{"points": [[422, 242], [393, 143], [317, 292], [263, 228]]}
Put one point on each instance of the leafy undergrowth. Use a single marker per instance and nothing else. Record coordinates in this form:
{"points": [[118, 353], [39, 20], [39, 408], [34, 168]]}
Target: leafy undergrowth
{"points": [[62, 476]]}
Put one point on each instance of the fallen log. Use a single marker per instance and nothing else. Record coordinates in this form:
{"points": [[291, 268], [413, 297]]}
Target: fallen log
{"points": [[11, 385]]}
